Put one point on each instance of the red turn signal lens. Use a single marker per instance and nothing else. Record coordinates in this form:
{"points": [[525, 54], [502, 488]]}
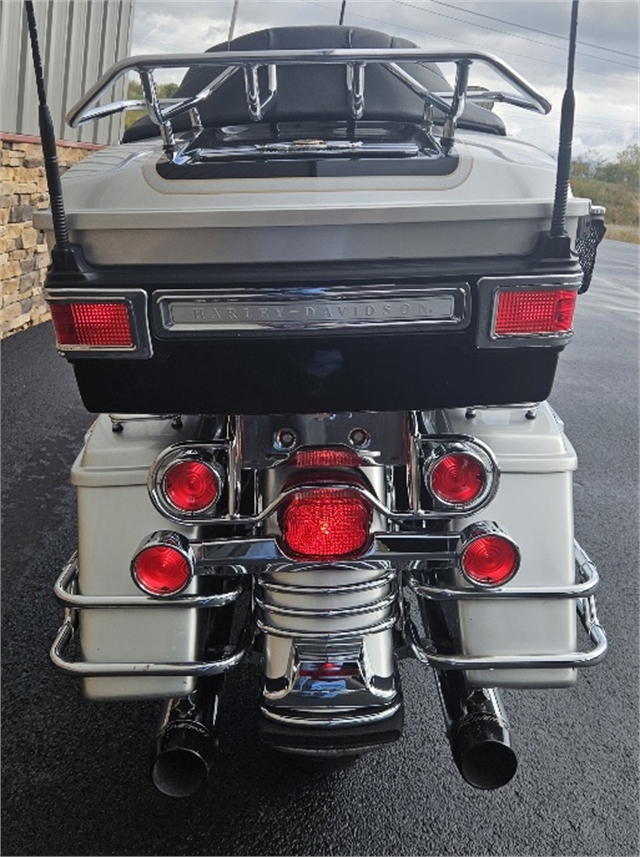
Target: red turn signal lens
{"points": [[161, 570], [326, 523], [92, 325], [457, 478], [490, 560], [192, 485], [534, 312]]}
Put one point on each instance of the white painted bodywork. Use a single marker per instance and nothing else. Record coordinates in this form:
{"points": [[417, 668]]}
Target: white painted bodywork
{"points": [[534, 505], [114, 516], [495, 203]]}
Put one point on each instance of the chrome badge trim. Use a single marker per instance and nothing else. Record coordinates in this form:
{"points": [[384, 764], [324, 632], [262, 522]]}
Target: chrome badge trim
{"points": [[309, 309]]}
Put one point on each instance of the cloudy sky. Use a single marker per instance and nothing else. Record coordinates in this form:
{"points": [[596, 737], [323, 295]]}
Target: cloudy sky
{"points": [[530, 36]]}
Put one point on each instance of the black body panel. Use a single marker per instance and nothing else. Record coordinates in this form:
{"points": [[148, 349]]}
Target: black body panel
{"points": [[301, 372], [296, 375]]}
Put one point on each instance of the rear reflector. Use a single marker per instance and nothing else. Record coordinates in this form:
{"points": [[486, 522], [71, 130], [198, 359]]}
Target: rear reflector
{"points": [[192, 485], [490, 560], [527, 312], [457, 478], [92, 324], [325, 523], [161, 569]]}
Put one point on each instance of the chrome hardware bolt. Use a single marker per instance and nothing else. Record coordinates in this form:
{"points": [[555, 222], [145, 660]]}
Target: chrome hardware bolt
{"points": [[470, 413], [359, 437], [285, 438]]}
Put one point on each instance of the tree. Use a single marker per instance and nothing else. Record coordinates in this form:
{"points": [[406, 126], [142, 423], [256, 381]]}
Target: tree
{"points": [[624, 170]]}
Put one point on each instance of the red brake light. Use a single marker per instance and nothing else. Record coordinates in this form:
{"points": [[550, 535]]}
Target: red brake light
{"points": [[325, 523], [457, 478], [92, 324], [161, 570], [320, 458], [192, 485], [534, 312], [490, 560]]}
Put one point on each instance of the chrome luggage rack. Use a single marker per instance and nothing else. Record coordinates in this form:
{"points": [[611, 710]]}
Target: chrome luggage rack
{"points": [[355, 61]]}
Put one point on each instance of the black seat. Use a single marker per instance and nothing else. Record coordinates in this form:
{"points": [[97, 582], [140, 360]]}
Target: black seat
{"points": [[316, 93]]}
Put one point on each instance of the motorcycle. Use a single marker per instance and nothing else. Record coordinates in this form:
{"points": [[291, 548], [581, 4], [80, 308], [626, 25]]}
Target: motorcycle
{"points": [[318, 298]]}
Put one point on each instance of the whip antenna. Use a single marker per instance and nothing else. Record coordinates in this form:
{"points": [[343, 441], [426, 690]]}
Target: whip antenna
{"points": [[566, 136], [48, 137]]}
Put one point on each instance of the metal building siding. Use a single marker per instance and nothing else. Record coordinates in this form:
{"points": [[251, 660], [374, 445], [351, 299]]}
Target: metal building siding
{"points": [[79, 40]]}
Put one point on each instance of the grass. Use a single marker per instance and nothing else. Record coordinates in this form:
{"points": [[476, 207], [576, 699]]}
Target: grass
{"points": [[630, 234]]}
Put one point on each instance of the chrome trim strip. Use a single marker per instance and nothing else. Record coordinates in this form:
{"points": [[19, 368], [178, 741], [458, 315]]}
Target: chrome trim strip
{"points": [[333, 719], [135, 299], [297, 308]]}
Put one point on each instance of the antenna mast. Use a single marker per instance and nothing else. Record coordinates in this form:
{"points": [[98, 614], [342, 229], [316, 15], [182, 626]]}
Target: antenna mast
{"points": [[566, 136], [48, 137]]}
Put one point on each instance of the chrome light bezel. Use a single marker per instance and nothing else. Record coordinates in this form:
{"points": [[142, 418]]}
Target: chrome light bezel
{"points": [[158, 472], [136, 301], [175, 541], [437, 449], [478, 530], [489, 288]]}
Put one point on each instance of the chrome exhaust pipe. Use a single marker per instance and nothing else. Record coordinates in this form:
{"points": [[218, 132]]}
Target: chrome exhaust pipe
{"points": [[478, 731], [187, 741]]}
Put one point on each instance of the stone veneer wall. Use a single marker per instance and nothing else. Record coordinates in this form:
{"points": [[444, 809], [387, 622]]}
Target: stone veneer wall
{"points": [[23, 250]]}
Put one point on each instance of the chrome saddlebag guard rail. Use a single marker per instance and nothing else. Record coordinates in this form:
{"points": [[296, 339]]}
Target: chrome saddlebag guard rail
{"points": [[65, 591], [228, 557], [583, 593]]}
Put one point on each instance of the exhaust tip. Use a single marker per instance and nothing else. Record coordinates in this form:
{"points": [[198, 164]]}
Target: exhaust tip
{"points": [[488, 765], [483, 753], [179, 772]]}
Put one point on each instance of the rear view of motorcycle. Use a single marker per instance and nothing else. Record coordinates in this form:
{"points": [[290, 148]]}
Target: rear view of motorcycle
{"points": [[318, 298]]}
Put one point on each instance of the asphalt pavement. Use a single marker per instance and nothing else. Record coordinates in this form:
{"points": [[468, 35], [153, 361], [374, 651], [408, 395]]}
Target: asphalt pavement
{"points": [[75, 773]]}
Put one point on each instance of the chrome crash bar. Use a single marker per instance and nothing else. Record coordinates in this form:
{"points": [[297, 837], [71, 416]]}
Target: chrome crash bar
{"points": [[163, 111]]}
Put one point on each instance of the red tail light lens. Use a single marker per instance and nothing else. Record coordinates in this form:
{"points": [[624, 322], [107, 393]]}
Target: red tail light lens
{"points": [[191, 486], [490, 560], [320, 458], [161, 570], [92, 325], [457, 478], [325, 523], [521, 313]]}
